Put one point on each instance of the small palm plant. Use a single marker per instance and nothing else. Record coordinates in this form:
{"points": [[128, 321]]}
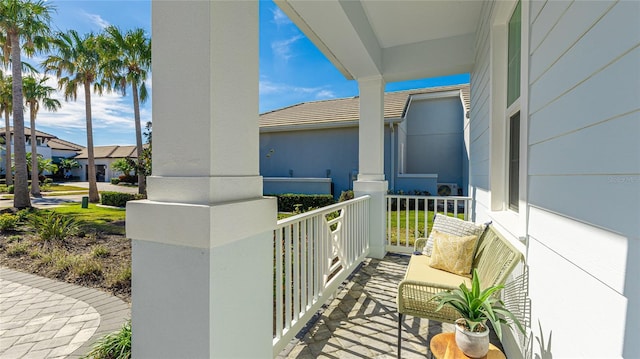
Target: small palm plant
{"points": [[476, 306]]}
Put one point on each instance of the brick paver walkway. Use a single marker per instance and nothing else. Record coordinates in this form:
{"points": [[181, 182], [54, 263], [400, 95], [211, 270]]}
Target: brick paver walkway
{"points": [[43, 318]]}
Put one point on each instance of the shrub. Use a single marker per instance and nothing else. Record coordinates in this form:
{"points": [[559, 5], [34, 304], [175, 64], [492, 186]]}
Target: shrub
{"points": [[289, 202], [52, 226], [118, 199], [346, 195], [10, 189], [115, 180], [24, 214], [116, 345], [3, 188], [128, 179], [8, 222]]}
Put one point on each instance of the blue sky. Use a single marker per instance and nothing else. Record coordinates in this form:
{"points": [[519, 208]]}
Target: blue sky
{"points": [[292, 70]]}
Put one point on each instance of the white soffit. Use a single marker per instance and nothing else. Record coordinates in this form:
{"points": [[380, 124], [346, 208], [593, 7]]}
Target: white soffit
{"points": [[400, 40], [405, 22]]}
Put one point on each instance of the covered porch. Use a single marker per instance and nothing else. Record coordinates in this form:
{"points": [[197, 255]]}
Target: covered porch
{"points": [[204, 242]]}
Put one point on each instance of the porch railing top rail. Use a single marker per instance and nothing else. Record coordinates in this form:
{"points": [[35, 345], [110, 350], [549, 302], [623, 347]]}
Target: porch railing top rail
{"points": [[323, 210]]}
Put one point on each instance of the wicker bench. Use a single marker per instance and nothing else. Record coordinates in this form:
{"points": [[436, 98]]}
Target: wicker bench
{"points": [[495, 258]]}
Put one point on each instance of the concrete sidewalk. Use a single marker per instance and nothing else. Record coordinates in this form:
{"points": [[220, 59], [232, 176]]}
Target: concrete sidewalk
{"points": [[44, 318], [53, 201]]}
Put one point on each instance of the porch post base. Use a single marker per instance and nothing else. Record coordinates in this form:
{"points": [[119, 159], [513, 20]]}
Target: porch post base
{"points": [[377, 210], [202, 281]]}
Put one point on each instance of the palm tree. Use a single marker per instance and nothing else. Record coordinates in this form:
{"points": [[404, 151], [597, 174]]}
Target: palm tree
{"points": [[6, 100], [129, 64], [77, 61], [37, 93], [25, 25]]}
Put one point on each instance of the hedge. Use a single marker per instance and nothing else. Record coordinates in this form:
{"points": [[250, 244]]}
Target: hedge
{"points": [[288, 202], [118, 199]]}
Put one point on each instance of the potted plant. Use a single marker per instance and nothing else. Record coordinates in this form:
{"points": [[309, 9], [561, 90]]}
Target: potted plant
{"points": [[475, 308]]}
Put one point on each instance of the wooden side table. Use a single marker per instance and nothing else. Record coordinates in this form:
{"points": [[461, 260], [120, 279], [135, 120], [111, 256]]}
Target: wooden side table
{"points": [[443, 346]]}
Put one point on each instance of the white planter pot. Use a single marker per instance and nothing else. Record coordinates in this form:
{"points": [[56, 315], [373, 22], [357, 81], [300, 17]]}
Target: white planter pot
{"points": [[472, 344]]}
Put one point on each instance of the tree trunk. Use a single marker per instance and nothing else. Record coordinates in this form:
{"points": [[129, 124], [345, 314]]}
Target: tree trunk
{"points": [[142, 179], [35, 180], [94, 197], [21, 191], [7, 157]]}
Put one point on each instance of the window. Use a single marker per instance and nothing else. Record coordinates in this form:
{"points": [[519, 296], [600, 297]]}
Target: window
{"points": [[513, 54], [513, 107], [514, 161]]}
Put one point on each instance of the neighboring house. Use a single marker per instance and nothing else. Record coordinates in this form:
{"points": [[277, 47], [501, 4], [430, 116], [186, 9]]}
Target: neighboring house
{"points": [[54, 148], [64, 149], [104, 157], [312, 147], [43, 141]]}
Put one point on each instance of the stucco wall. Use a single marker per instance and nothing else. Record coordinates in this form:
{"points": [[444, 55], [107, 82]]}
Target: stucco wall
{"points": [[434, 138], [311, 153], [582, 204]]}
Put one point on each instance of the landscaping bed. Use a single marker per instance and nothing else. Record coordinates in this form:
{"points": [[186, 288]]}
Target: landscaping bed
{"points": [[94, 253]]}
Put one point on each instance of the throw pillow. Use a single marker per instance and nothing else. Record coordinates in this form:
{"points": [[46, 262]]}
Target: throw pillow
{"points": [[451, 225], [452, 253]]}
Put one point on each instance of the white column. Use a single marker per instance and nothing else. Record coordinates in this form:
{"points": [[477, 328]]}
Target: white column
{"points": [[371, 179], [202, 244]]}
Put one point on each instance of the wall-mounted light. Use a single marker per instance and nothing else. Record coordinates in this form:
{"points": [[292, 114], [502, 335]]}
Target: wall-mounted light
{"points": [[328, 172], [290, 173]]}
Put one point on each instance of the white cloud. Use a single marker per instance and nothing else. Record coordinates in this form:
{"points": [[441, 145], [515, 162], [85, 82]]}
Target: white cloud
{"points": [[272, 88], [97, 20], [282, 48], [280, 18], [109, 111], [325, 94]]}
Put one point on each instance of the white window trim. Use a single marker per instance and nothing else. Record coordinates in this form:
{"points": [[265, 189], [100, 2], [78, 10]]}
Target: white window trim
{"points": [[514, 222]]}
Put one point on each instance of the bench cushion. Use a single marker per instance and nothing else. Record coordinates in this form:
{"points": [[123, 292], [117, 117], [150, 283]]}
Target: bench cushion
{"points": [[419, 269]]}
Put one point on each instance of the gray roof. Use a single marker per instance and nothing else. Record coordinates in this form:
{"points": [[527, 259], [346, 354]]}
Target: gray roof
{"points": [[346, 111]]}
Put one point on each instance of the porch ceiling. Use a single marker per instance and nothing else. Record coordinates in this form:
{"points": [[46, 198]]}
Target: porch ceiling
{"points": [[398, 40]]}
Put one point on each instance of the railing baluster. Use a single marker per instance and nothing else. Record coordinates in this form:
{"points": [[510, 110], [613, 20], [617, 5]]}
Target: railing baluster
{"points": [[287, 277], [304, 288], [304, 273], [433, 202], [278, 302], [296, 270]]}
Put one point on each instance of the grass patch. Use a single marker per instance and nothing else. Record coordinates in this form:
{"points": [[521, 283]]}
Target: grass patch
{"points": [[116, 345], [400, 219], [18, 249], [94, 218], [100, 251], [120, 277], [64, 188]]}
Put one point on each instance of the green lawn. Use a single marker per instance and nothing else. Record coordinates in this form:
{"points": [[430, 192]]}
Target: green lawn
{"points": [[402, 224], [107, 220], [63, 188]]}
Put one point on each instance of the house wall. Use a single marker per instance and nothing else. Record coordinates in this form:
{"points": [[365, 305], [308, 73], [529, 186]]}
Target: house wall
{"points": [[434, 138], [109, 173], [581, 204], [311, 153]]}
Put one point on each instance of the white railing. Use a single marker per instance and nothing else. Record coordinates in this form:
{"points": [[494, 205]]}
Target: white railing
{"points": [[411, 217], [314, 252]]}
